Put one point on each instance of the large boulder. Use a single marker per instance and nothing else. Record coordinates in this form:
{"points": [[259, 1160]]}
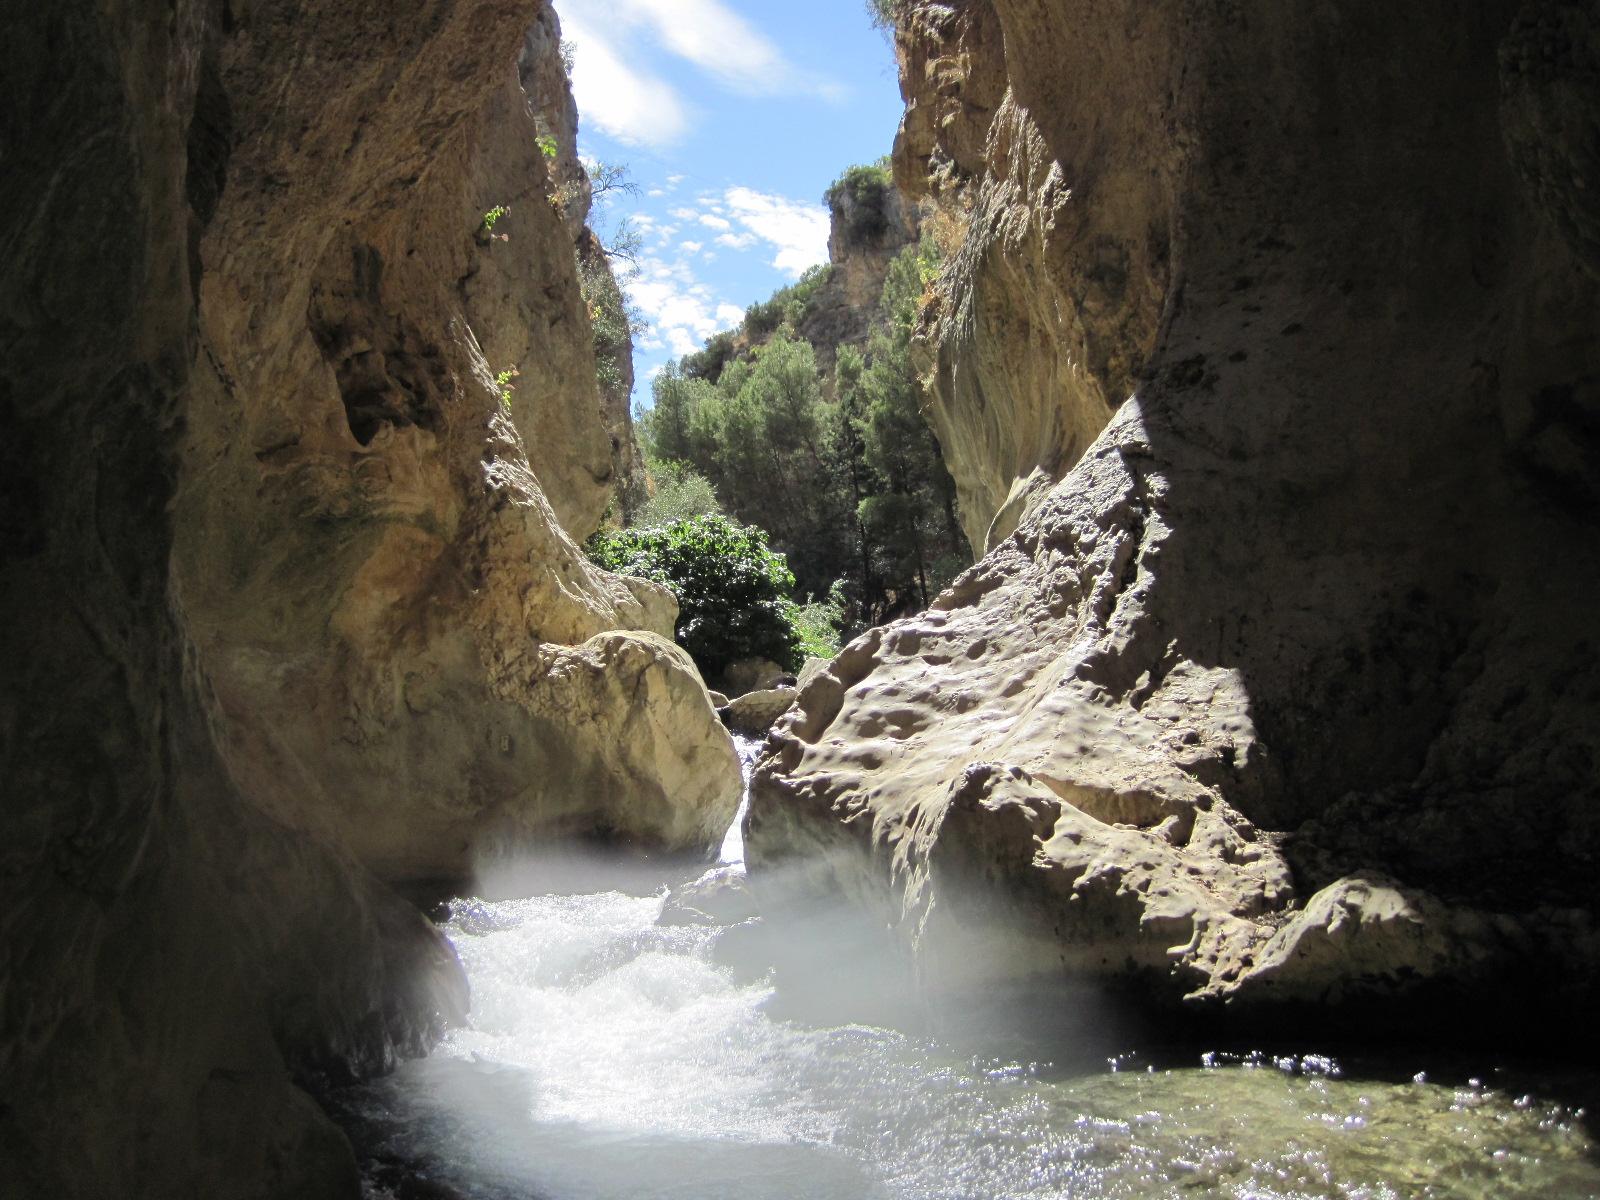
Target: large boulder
{"points": [[749, 675]]}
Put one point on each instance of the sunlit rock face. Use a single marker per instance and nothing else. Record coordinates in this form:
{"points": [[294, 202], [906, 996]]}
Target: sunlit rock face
{"points": [[377, 558], [1288, 693], [289, 612]]}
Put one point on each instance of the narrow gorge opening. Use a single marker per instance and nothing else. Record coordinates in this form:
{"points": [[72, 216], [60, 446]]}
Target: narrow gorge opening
{"points": [[921, 599]]}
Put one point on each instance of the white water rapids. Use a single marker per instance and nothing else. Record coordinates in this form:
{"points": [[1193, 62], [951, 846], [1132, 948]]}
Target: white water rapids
{"points": [[609, 1058]]}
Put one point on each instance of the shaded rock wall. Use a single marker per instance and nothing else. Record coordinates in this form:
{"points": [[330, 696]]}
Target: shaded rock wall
{"points": [[278, 579], [1288, 692]]}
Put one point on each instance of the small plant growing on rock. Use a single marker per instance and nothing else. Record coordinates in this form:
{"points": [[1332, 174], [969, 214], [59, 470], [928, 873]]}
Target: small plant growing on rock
{"points": [[503, 382], [547, 146], [486, 231]]}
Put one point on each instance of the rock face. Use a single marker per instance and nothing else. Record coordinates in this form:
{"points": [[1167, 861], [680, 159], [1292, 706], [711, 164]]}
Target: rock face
{"points": [[1011, 212], [1289, 691], [289, 612], [864, 234], [378, 574]]}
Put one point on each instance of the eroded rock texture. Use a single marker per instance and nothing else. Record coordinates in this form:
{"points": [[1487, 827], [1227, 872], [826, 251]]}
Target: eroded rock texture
{"points": [[376, 562], [1289, 691], [288, 611]]}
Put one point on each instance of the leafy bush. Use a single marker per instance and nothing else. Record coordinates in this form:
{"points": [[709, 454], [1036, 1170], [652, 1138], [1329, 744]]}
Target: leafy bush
{"points": [[863, 193], [734, 594], [681, 493], [820, 623]]}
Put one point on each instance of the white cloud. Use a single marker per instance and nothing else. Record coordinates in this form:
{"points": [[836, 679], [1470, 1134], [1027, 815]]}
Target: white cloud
{"points": [[737, 241], [686, 214], [717, 40], [682, 311], [691, 247], [707, 33], [713, 222], [797, 230], [674, 180], [626, 102]]}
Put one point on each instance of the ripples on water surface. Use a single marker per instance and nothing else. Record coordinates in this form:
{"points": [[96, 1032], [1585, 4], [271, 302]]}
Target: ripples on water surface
{"points": [[609, 1058]]}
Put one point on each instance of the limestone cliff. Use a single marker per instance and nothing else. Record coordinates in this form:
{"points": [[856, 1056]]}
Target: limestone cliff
{"points": [[288, 609], [1289, 690], [838, 304], [373, 550], [867, 227]]}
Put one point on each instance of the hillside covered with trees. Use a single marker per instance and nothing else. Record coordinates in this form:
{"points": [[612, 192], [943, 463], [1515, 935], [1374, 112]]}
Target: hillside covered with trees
{"points": [[806, 422]]}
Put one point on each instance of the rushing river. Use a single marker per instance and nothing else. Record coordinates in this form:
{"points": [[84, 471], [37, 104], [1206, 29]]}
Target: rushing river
{"points": [[608, 1057]]}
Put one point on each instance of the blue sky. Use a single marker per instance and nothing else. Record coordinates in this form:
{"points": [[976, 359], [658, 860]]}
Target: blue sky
{"points": [[734, 116]]}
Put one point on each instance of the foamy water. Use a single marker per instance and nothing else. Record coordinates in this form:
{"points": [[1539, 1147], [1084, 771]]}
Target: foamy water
{"points": [[610, 1058]]}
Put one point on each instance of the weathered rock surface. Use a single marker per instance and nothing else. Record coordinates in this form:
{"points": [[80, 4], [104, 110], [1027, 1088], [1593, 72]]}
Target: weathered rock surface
{"points": [[1289, 691], [1031, 339], [286, 607], [403, 640]]}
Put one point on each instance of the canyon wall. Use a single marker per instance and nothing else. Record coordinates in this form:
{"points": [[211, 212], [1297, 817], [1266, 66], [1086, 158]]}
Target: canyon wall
{"points": [[1273, 333], [864, 235], [292, 610]]}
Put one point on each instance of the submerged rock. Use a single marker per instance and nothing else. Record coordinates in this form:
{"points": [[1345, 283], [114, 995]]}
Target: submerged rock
{"points": [[719, 897]]}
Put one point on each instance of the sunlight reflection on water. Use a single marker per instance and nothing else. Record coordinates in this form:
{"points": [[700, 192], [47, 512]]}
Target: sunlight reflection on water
{"points": [[608, 1058]]}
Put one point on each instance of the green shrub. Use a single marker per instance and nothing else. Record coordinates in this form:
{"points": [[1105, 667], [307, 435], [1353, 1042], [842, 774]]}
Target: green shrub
{"points": [[681, 493], [734, 594], [708, 363], [820, 623], [865, 192]]}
